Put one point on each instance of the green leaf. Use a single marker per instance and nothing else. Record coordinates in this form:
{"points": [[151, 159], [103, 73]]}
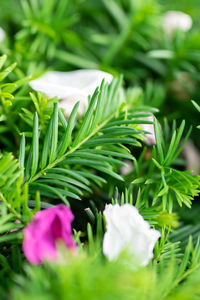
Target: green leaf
{"points": [[68, 132], [196, 105], [53, 191], [62, 119], [35, 146], [7, 71], [159, 140], [46, 146], [54, 134], [174, 144], [185, 258], [82, 133], [2, 60], [22, 151]]}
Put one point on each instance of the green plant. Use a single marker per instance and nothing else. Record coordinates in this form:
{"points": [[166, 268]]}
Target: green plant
{"points": [[47, 158]]}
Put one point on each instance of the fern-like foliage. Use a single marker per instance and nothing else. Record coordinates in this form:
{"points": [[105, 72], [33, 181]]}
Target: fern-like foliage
{"points": [[158, 281], [14, 212], [164, 183], [96, 144], [10, 104], [14, 197], [46, 26]]}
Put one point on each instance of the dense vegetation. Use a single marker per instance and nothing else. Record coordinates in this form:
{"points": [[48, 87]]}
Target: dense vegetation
{"points": [[48, 158]]}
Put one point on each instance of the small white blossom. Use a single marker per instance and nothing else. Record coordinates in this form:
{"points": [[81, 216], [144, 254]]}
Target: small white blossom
{"points": [[174, 20], [71, 87], [127, 230], [2, 34]]}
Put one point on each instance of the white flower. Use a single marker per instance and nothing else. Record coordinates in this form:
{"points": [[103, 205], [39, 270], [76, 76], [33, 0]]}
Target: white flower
{"points": [[176, 20], [2, 34], [71, 87], [127, 230]]}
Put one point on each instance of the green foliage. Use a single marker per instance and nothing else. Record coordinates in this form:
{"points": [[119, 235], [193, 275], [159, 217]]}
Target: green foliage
{"points": [[91, 146], [44, 23], [91, 276], [47, 158], [163, 182]]}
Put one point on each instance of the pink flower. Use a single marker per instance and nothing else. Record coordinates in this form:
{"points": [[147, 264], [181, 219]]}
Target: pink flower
{"points": [[47, 227]]}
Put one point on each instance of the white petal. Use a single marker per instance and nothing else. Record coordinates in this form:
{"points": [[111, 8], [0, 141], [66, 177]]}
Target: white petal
{"points": [[176, 20], [126, 229], [112, 244], [71, 87]]}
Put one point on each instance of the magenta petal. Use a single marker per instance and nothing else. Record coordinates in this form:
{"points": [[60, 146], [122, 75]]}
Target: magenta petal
{"points": [[41, 235], [30, 247]]}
